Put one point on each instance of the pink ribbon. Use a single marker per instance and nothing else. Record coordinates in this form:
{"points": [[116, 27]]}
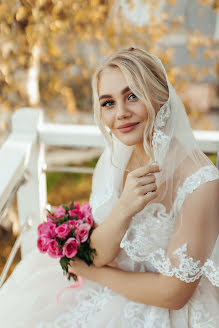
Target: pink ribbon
{"points": [[78, 285]]}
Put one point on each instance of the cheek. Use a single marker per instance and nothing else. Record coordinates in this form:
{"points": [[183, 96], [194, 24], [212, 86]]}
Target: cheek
{"points": [[107, 119], [143, 112]]}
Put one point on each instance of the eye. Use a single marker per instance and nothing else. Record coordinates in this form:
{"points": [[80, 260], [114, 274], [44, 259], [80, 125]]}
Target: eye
{"points": [[132, 95], [107, 103]]}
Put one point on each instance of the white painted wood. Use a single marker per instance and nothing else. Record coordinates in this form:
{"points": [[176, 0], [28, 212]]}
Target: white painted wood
{"points": [[14, 156], [31, 197], [71, 135], [208, 141], [90, 135]]}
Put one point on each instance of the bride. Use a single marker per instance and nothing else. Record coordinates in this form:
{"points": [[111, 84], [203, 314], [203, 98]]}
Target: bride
{"points": [[155, 205]]}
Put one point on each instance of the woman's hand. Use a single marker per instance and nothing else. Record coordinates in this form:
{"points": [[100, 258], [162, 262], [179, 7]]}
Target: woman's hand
{"points": [[80, 268], [140, 188]]}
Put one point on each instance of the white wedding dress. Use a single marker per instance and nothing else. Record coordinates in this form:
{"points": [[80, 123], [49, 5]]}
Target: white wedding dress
{"points": [[28, 297]]}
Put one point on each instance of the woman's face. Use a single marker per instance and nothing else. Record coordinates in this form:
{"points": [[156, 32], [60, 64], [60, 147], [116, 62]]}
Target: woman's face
{"points": [[120, 106]]}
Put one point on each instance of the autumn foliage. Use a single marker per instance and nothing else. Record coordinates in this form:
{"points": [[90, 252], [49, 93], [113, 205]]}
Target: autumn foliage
{"points": [[49, 48]]}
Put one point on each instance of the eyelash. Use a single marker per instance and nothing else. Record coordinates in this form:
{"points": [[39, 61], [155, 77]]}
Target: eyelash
{"points": [[133, 95], [108, 101]]}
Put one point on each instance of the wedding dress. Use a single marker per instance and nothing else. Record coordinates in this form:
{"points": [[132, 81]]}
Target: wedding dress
{"points": [[159, 239]]}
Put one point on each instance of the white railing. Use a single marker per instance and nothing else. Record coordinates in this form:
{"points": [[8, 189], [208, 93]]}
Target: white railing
{"points": [[23, 166]]}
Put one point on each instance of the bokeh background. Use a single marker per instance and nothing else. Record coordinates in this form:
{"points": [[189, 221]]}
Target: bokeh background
{"points": [[49, 50]]}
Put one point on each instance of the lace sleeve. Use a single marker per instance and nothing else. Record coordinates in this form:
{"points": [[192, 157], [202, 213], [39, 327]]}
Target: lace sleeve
{"points": [[184, 242]]}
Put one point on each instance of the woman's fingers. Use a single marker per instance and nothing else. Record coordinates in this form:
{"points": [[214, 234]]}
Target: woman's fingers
{"points": [[151, 195], [146, 180], [147, 188], [144, 170]]}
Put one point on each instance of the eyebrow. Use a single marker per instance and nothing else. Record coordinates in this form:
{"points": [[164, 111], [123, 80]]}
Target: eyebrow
{"points": [[110, 96]]}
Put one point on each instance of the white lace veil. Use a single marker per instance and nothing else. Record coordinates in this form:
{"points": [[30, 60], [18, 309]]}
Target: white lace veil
{"points": [[176, 233]]}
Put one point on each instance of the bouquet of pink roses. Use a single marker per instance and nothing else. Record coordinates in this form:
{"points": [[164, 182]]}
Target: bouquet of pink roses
{"points": [[66, 234]]}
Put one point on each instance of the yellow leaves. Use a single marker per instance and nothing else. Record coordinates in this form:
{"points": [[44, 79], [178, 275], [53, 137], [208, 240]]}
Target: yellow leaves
{"points": [[92, 59], [5, 106], [78, 61], [213, 3], [173, 73], [59, 25], [110, 31], [69, 99], [216, 5], [64, 26], [172, 1], [22, 60], [85, 72], [22, 14], [99, 34], [196, 40], [31, 35], [94, 3], [42, 3], [217, 67], [3, 10], [132, 4], [207, 54], [4, 124], [164, 15], [54, 50], [156, 31]]}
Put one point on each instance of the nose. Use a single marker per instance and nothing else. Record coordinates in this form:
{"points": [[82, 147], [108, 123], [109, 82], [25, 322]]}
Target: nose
{"points": [[122, 111]]}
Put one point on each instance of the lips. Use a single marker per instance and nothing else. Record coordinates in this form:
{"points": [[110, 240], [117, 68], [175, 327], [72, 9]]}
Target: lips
{"points": [[127, 125]]}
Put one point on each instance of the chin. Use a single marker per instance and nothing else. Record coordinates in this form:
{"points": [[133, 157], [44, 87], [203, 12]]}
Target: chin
{"points": [[129, 141]]}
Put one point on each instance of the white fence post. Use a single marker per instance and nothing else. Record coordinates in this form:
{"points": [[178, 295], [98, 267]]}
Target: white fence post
{"points": [[31, 197]]}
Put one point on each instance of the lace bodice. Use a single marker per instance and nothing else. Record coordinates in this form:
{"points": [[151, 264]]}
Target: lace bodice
{"points": [[145, 241]]}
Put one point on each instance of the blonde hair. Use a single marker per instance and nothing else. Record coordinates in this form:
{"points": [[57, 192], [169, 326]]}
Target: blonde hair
{"points": [[145, 78]]}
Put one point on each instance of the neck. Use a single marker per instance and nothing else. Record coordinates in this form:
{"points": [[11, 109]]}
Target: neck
{"points": [[141, 156]]}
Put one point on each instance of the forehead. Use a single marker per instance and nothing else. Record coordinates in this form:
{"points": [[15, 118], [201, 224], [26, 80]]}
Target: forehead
{"points": [[111, 81]]}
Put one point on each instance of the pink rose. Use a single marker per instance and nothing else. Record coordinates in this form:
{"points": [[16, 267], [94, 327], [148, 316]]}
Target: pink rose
{"points": [[54, 250], [74, 223], [63, 230], [82, 232], [43, 229], [47, 229], [70, 248], [51, 229], [43, 243], [89, 220], [60, 211], [75, 212], [86, 209], [50, 217], [76, 205]]}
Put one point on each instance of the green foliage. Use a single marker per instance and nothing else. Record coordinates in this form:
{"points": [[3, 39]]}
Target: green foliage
{"points": [[212, 157], [54, 179], [64, 261], [63, 187]]}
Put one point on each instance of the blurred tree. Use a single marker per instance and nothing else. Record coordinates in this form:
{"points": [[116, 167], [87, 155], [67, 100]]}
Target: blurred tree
{"points": [[49, 48]]}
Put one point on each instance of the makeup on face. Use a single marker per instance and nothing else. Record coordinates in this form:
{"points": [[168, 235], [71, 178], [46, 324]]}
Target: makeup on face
{"points": [[128, 128], [121, 110]]}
